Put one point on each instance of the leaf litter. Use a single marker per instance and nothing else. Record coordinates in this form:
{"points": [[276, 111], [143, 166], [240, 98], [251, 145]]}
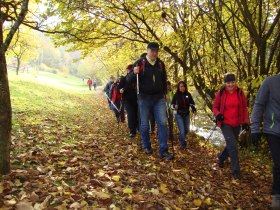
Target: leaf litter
{"points": [[87, 161]]}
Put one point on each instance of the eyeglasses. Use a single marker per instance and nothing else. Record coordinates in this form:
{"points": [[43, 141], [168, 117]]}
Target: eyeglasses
{"points": [[182, 86]]}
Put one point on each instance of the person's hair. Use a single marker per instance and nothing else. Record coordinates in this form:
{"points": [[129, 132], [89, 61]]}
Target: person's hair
{"points": [[143, 55], [178, 86], [112, 77], [130, 67], [229, 77]]}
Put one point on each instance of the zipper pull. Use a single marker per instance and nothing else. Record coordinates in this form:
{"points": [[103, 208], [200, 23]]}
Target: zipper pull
{"points": [[154, 79]]}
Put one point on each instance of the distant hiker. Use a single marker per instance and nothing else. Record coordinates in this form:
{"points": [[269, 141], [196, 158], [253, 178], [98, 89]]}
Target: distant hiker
{"points": [[152, 88], [107, 89], [230, 109], [116, 101], [89, 82], [94, 84], [169, 98], [267, 110], [129, 99], [181, 102]]}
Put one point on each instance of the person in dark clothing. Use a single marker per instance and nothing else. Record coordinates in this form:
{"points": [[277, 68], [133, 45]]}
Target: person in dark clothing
{"points": [[231, 111], [181, 102], [267, 109], [152, 88], [152, 121], [107, 89], [129, 99], [116, 101]]}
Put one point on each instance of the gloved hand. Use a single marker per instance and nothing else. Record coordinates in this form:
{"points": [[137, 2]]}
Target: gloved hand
{"points": [[219, 117], [193, 109], [256, 138], [245, 126]]}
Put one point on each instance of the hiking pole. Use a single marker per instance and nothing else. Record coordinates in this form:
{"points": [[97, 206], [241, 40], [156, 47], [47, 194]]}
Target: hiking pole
{"points": [[137, 83], [212, 131], [112, 103], [170, 125], [241, 133]]}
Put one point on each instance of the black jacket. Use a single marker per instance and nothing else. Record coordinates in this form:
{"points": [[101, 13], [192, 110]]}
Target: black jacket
{"points": [[108, 87], [152, 79], [184, 101], [130, 93]]}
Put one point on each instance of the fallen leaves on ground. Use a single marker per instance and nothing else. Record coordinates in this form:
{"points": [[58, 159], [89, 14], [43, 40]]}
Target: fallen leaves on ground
{"points": [[89, 162]]}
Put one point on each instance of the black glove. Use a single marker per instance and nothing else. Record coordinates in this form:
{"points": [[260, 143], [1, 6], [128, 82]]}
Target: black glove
{"points": [[256, 138], [219, 117], [245, 126], [193, 109]]}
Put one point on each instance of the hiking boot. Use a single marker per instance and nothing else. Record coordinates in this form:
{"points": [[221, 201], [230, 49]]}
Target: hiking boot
{"points": [[275, 202], [166, 155], [132, 135], [148, 151], [221, 164], [183, 147], [236, 175]]}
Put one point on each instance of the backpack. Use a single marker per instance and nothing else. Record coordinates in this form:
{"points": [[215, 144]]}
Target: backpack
{"points": [[142, 66], [113, 93]]}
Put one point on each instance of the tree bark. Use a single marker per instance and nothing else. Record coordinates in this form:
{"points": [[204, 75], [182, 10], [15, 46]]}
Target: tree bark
{"points": [[5, 111], [5, 99], [18, 65]]}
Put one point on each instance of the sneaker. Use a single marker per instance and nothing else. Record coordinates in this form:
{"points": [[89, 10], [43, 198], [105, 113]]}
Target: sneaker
{"points": [[166, 155], [148, 151], [275, 201]]}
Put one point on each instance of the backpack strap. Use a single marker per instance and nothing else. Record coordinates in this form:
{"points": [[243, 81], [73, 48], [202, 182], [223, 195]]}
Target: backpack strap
{"points": [[222, 90], [142, 67]]}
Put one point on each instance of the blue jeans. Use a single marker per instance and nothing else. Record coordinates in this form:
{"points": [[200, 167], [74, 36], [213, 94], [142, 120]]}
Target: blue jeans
{"points": [[183, 123], [157, 106], [231, 150], [274, 145]]}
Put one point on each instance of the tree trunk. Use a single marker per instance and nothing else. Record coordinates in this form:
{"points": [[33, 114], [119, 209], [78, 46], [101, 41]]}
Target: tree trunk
{"points": [[18, 65], [5, 111]]}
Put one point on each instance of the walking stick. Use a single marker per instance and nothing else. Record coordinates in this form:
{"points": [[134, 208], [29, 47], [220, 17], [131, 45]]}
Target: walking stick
{"points": [[170, 126], [137, 83], [212, 131], [112, 103]]}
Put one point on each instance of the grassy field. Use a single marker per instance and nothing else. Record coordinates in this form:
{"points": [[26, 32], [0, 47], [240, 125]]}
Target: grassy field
{"points": [[35, 103]]}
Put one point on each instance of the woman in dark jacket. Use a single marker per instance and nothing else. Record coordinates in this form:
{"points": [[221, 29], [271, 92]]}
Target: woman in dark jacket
{"points": [[181, 102], [129, 99], [230, 109]]}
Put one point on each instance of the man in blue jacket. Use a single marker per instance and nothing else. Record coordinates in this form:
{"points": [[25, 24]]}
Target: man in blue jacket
{"points": [[267, 109], [152, 89]]}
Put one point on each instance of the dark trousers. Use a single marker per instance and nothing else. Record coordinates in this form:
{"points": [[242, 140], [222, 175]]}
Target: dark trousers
{"points": [[231, 150], [132, 115], [119, 114], [274, 145]]}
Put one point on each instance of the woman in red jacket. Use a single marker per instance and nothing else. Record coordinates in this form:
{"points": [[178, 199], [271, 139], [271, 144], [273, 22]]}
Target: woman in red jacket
{"points": [[230, 109]]}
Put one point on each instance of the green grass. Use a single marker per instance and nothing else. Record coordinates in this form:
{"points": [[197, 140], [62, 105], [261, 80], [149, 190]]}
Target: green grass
{"points": [[44, 109]]}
